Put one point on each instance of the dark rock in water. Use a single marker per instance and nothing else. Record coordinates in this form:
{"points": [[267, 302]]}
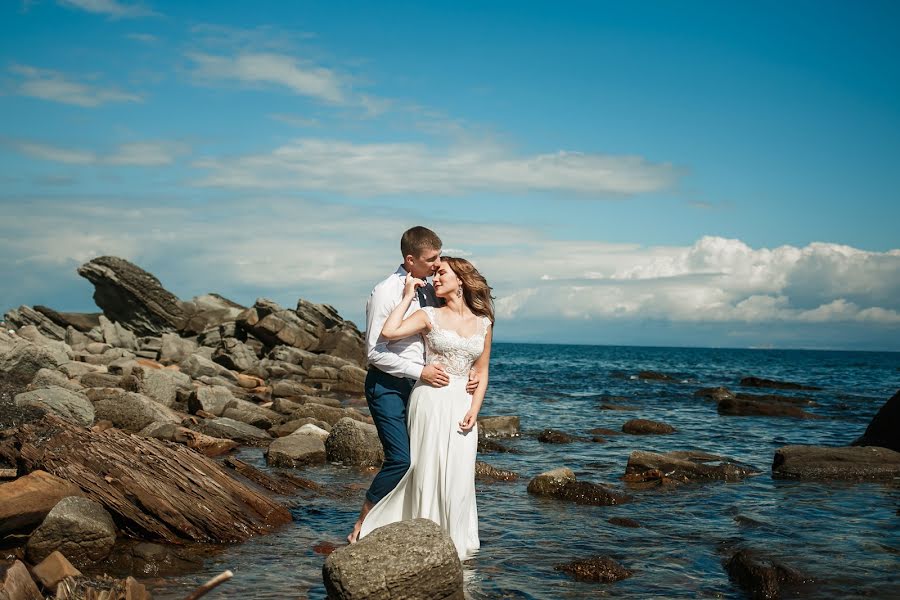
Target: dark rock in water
{"points": [[79, 528], [684, 467], [777, 398], [551, 436], [602, 569], [647, 427], [755, 408], [132, 296], [716, 393], [617, 407], [485, 472], [82, 322], [884, 430], [500, 426], [759, 382], [759, 576], [624, 522], [488, 446], [409, 559], [654, 376], [562, 484], [854, 463], [604, 431]]}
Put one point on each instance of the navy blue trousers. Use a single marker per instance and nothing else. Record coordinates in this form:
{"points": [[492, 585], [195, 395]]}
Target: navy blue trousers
{"points": [[388, 397]]}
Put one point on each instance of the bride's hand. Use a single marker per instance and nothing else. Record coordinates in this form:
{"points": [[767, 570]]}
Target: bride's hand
{"points": [[468, 421], [411, 284]]}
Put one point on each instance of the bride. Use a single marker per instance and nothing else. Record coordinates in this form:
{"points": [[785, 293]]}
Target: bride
{"points": [[442, 422]]}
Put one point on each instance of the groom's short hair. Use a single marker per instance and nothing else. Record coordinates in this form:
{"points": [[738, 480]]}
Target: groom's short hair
{"points": [[416, 240]]}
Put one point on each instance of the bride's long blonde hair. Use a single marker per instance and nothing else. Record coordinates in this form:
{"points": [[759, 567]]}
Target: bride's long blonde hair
{"points": [[476, 291]]}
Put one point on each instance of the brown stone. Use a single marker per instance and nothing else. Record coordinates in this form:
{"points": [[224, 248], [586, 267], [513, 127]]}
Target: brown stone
{"points": [[601, 569], [18, 584], [26, 501], [647, 427], [54, 569]]}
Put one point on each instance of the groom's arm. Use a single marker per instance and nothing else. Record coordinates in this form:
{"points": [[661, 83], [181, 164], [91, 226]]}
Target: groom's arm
{"points": [[381, 303]]}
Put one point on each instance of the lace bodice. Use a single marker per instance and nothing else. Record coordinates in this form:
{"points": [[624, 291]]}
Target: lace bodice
{"points": [[455, 352]]}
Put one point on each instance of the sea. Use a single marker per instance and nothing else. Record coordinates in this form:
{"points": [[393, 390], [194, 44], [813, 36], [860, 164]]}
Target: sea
{"points": [[843, 537]]}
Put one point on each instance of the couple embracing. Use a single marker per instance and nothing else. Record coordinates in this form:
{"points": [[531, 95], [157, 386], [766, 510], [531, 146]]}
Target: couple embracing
{"points": [[428, 349]]}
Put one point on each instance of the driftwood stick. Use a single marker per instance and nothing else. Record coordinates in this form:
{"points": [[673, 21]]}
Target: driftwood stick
{"points": [[206, 587]]}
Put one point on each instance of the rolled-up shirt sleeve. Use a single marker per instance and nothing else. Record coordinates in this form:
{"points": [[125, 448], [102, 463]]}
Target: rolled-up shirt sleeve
{"points": [[382, 301]]}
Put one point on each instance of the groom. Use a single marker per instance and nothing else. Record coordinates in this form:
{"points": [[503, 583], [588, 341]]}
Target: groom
{"points": [[394, 367]]}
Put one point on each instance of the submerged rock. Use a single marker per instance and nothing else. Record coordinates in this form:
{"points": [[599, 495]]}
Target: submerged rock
{"points": [[884, 430], [855, 463], [655, 376], [647, 427], [759, 576], [755, 408], [716, 393], [624, 522], [760, 382], [552, 436], [562, 484], [684, 467], [602, 569], [486, 472]]}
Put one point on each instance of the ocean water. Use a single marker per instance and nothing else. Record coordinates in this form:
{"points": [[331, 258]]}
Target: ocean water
{"points": [[845, 537]]}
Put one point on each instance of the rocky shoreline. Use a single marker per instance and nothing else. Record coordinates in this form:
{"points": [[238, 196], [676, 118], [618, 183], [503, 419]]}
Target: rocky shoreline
{"points": [[117, 429]]}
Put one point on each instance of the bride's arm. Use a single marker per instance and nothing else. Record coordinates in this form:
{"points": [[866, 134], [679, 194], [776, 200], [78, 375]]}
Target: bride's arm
{"points": [[396, 327], [480, 367]]}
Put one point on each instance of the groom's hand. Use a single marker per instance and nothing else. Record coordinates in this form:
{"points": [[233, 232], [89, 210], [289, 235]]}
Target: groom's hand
{"points": [[435, 376], [474, 380]]}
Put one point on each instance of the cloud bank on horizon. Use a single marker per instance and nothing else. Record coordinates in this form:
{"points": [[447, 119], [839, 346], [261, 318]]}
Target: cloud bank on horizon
{"points": [[251, 159]]}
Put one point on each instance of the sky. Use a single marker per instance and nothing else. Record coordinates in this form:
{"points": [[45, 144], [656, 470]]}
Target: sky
{"points": [[654, 173]]}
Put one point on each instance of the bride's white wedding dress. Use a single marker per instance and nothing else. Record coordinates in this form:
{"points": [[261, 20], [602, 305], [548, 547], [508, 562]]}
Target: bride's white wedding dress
{"points": [[440, 482]]}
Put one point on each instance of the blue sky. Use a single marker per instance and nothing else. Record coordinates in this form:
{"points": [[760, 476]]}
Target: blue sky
{"points": [[662, 173]]}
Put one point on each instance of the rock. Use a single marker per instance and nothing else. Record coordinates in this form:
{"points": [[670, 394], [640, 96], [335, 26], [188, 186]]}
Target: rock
{"points": [[654, 376], [617, 407], [328, 414], [405, 560], [715, 393], [211, 399], [25, 316], [78, 527], [604, 431], [235, 355], [340, 338], [624, 522], [24, 359], [314, 430], [161, 384], [561, 484], [146, 559], [73, 369], [117, 336], [334, 402], [754, 408], [602, 569], [46, 378], [210, 311], [99, 380], [287, 388], [133, 297], [759, 382], [128, 410], [274, 325], [646, 427], [296, 450], [489, 446], [854, 463], [198, 366], [505, 426], [760, 577], [248, 412], [684, 467], [295, 424], [54, 569], [73, 406], [223, 427], [26, 501], [175, 349], [18, 584], [485, 472], [82, 322], [354, 443], [551, 436], [884, 430]]}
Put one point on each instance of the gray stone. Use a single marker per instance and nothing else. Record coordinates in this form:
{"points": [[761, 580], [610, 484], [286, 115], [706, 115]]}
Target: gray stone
{"points": [[329, 414], [601, 569], [45, 378], [291, 426], [79, 528], [74, 369], [402, 561], [287, 387], [354, 443], [26, 316], [97, 379], [211, 399], [716, 393], [486, 472], [198, 366], [235, 355], [161, 384], [853, 463], [23, 359], [230, 429], [503, 426], [296, 450], [128, 410], [562, 485], [117, 336], [758, 575], [70, 405], [175, 348]]}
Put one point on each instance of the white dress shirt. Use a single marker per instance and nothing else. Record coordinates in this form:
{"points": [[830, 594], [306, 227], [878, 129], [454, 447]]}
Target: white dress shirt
{"points": [[404, 357]]}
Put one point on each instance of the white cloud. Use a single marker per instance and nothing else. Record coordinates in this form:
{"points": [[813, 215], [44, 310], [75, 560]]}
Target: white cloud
{"points": [[57, 87], [137, 154], [111, 8], [400, 168]]}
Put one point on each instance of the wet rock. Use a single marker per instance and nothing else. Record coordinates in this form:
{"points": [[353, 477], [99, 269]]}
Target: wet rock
{"points": [[684, 467], [655, 376], [755, 408], [54, 569], [354, 443], [562, 484], [716, 393], [26, 501], [761, 577], [17, 584], [646, 427], [486, 472], [604, 431], [70, 405], [501, 426], [489, 446], [296, 450], [552, 436], [624, 522], [132, 296], [409, 559], [853, 463], [602, 569], [760, 382], [78, 527], [776, 398], [617, 407], [146, 559], [128, 410], [223, 427], [884, 430], [175, 349]]}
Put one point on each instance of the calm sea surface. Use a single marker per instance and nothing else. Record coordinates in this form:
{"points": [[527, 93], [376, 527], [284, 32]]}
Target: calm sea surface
{"points": [[845, 536]]}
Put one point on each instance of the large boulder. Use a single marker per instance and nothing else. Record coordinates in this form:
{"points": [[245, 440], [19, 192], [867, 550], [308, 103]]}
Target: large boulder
{"points": [[128, 410], [78, 527], [82, 322], [274, 325], [197, 366], [884, 430], [684, 467], [355, 443], [209, 311], [48, 377], [296, 450], [23, 359], [25, 501], [68, 404], [406, 560], [132, 296], [161, 384], [340, 338], [117, 336], [855, 463], [175, 348], [212, 399], [235, 355]]}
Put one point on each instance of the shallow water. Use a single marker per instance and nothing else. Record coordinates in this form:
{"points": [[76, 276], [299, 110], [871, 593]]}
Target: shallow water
{"points": [[843, 536]]}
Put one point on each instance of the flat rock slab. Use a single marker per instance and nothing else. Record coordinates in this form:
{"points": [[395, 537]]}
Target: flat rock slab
{"points": [[601, 569], [500, 426], [852, 463], [26, 501], [647, 427], [232, 429], [684, 467], [406, 560], [128, 410]]}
